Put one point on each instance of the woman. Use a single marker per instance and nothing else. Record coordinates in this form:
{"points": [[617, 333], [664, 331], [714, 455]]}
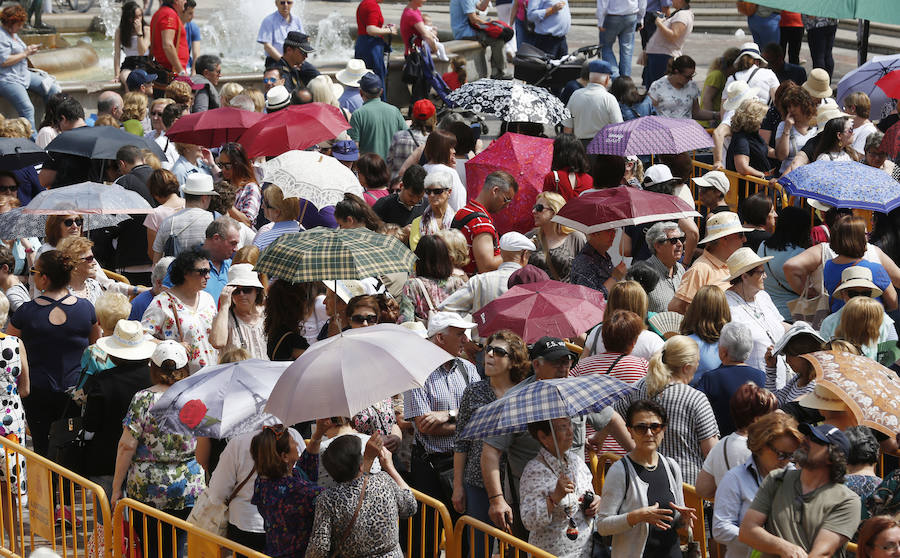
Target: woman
{"points": [[157, 467], [506, 363], [750, 67], [556, 245], [631, 103], [57, 228], [374, 177], [675, 95], [820, 33], [714, 84], [459, 251], [886, 233], [353, 212], [362, 311], [287, 306], [157, 128], [164, 188], [237, 170], [772, 441], [281, 212], [16, 79], [665, 45], [637, 527], [372, 37], [404, 142], [185, 312], [849, 246], [434, 280], [360, 516], [56, 327], [552, 493], [703, 321], [879, 537], [626, 295], [82, 285], [790, 237], [875, 156], [440, 154], [336, 427], [134, 112], [758, 213], [748, 153], [193, 158], [239, 321], [15, 384], [570, 171], [836, 142], [16, 292], [694, 429], [437, 216], [798, 126], [863, 322], [861, 461], [133, 39], [109, 308]]}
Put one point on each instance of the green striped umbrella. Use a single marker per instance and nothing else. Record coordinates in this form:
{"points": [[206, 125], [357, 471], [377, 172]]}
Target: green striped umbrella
{"points": [[321, 254], [882, 11]]}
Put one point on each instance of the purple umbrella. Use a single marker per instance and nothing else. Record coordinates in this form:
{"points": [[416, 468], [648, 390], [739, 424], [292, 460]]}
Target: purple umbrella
{"points": [[312, 217], [650, 135]]}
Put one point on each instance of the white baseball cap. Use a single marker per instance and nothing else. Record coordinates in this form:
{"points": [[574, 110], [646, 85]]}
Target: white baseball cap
{"points": [[515, 241], [714, 179], [439, 321], [170, 350]]}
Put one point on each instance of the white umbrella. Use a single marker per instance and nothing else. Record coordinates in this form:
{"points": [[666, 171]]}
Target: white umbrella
{"points": [[343, 375], [320, 179]]}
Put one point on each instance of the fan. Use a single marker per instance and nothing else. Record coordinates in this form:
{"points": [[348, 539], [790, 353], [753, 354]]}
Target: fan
{"points": [[666, 324]]}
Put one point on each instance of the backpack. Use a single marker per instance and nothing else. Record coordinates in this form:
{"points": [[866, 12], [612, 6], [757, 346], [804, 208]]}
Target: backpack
{"points": [[496, 29]]}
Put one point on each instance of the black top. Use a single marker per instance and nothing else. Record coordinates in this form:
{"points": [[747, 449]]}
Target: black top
{"points": [[660, 543], [391, 210], [70, 169], [810, 147], [295, 78], [755, 238], [640, 251], [131, 247], [752, 145], [288, 342], [792, 72], [887, 122]]}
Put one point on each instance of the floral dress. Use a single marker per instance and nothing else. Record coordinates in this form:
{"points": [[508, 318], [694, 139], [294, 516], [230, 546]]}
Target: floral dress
{"points": [[163, 472], [195, 325], [12, 416], [414, 304], [379, 417]]}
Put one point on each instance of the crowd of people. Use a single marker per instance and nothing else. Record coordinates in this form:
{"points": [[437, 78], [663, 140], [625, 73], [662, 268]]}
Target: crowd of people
{"points": [[702, 319]]}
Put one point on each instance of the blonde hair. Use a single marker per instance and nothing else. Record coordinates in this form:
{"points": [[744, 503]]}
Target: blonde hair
{"points": [[749, 116], [229, 91], [151, 160], [4, 310], [320, 87], [110, 308], [555, 202], [843, 346], [677, 352], [861, 321], [107, 120], [289, 208], [707, 313], [181, 92], [258, 98], [235, 354], [16, 128], [456, 246], [135, 106], [627, 295], [72, 246], [164, 101]]}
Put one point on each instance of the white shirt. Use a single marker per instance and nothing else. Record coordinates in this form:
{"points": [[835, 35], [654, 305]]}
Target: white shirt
{"points": [[860, 134], [764, 80], [766, 326], [458, 195], [717, 463], [797, 141], [592, 108], [647, 344]]}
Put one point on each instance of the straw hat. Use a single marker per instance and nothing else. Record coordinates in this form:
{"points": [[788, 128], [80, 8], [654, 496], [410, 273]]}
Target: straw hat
{"points": [[742, 261], [819, 84], [826, 111], [199, 184], [128, 342], [242, 275], [352, 72], [723, 224], [736, 93], [822, 399], [816, 204], [857, 277]]}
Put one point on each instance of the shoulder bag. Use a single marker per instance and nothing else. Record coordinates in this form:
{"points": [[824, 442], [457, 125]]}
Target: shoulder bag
{"points": [[427, 301], [66, 443], [211, 515], [812, 309], [173, 307], [362, 494]]}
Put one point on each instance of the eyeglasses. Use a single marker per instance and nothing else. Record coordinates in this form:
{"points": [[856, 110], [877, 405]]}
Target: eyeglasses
{"points": [[9, 189], [757, 271], [285, 2], [228, 166], [364, 319], [269, 80], [435, 191], [539, 207], [653, 427], [245, 290], [857, 292], [781, 455], [89, 259], [506, 200], [201, 271], [674, 240], [887, 547], [77, 221], [496, 351], [277, 429]]}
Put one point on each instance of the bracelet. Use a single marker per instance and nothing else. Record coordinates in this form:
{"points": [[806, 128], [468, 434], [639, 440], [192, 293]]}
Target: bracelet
{"points": [[495, 496]]}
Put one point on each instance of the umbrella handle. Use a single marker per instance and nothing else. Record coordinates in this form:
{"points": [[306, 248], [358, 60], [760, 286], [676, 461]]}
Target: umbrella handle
{"points": [[303, 211]]}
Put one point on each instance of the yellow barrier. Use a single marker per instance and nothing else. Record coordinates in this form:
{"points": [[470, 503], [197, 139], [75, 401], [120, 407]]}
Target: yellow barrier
{"points": [[434, 514], [50, 486], [200, 543], [598, 466], [693, 500], [519, 547], [753, 185]]}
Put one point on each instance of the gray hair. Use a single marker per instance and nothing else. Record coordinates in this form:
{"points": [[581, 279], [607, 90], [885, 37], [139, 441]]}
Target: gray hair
{"points": [[873, 141], [439, 178], [659, 232], [243, 102], [737, 340], [160, 269], [221, 226]]}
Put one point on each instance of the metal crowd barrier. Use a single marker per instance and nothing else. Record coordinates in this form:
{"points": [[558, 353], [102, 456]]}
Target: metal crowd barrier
{"points": [[435, 513], [599, 465], [467, 526]]}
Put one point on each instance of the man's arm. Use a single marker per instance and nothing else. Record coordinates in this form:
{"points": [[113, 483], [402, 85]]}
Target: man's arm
{"points": [[826, 544], [168, 43], [435, 423], [753, 533], [271, 51], [483, 251], [677, 305]]}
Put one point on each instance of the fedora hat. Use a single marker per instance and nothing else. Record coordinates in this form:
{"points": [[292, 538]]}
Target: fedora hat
{"points": [[826, 111], [277, 98], [742, 261], [818, 84], [198, 184], [723, 224], [352, 72], [823, 399], [242, 275], [858, 277], [816, 204], [736, 93], [128, 342]]}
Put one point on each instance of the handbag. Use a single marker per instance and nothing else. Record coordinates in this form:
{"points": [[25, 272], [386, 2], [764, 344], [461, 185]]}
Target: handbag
{"points": [[414, 66], [66, 443], [362, 494], [812, 309], [211, 515]]}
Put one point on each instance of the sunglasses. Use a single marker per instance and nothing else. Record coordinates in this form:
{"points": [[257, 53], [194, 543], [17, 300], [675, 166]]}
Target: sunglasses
{"points": [[89, 259], [245, 290], [9, 189], [226, 165], [285, 2], [674, 240], [201, 271], [539, 207], [781, 455], [77, 221], [269, 80], [36, 271], [363, 319], [277, 429], [155, 113], [654, 427], [435, 191], [496, 351], [851, 293]]}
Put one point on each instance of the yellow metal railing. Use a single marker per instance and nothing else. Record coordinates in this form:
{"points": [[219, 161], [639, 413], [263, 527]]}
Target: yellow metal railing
{"points": [[509, 545], [441, 525]]}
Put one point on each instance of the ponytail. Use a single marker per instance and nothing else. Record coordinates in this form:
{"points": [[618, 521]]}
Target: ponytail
{"points": [[677, 352], [658, 374]]}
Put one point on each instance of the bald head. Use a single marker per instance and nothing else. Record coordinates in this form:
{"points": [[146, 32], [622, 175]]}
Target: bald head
{"points": [[110, 103]]}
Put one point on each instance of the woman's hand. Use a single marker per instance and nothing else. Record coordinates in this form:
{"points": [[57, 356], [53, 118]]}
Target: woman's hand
{"points": [[31, 49], [115, 497], [771, 359], [654, 515], [225, 296], [563, 486], [459, 498], [594, 507], [373, 447], [688, 515], [788, 122]]}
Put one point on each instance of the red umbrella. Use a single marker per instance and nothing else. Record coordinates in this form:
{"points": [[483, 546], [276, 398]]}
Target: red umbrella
{"points": [[890, 84], [212, 128], [296, 127], [528, 160], [621, 206], [891, 141], [533, 310]]}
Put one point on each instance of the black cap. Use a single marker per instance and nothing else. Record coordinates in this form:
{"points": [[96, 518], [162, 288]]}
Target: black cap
{"points": [[551, 348], [827, 434], [299, 40]]}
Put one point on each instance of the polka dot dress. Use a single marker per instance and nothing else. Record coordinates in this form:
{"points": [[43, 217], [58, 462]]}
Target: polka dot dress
{"points": [[12, 416]]}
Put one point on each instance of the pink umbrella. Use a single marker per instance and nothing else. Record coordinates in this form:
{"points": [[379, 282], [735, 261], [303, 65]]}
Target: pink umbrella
{"points": [[621, 206], [526, 158]]}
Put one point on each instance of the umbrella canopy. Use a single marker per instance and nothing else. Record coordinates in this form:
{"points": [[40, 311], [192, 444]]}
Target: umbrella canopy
{"points": [[17, 153], [882, 11], [100, 142], [220, 401], [346, 373], [534, 310], [510, 101], [528, 159], [544, 400], [650, 135], [326, 254], [846, 184], [88, 198], [890, 84], [320, 179], [296, 127], [621, 206], [212, 128], [15, 223], [865, 78], [871, 391]]}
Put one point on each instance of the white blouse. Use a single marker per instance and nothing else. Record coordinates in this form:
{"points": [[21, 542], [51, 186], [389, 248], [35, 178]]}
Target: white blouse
{"points": [[766, 327]]}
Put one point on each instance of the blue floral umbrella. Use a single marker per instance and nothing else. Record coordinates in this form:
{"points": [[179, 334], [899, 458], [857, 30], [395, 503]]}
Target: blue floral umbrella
{"points": [[845, 184]]}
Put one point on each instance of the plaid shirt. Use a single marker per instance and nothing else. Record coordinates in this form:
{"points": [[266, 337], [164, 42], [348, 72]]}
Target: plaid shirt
{"points": [[443, 391], [592, 269], [662, 295], [248, 200], [403, 144]]}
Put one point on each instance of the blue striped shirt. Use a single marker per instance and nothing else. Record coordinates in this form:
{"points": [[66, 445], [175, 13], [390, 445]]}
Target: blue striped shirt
{"points": [[443, 391], [264, 238]]}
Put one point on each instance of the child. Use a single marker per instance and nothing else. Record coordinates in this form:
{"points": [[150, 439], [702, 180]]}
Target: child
{"points": [[441, 52], [457, 75]]}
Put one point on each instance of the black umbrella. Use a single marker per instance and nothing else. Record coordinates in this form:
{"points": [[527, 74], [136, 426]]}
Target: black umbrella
{"points": [[18, 153], [100, 142]]}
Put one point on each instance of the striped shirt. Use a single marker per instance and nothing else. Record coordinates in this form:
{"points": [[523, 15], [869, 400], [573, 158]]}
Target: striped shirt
{"points": [[443, 391], [791, 391], [267, 236], [660, 297]]}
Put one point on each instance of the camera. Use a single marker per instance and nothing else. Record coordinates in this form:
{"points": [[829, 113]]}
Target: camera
{"points": [[587, 500]]}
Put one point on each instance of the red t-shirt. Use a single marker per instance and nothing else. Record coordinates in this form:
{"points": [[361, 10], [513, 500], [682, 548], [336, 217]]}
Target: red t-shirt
{"points": [[452, 80], [476, 226], [583, 182], [167, 18], [791, 19], [408, 22], [368, 13]]}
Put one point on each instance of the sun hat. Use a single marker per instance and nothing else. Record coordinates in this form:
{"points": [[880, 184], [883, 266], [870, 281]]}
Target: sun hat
{"points": [[742, 261], [439, 321], [552, 348], [296, 39], [827, 434], [345, 150], [416, 327], [752, 49], [423, 109], [371, 84], [352, 72], [242, 275], [714, 179], [816, 204], [128, 341], [198, 184], [138, 78], [823, 399], [348, 288], [827, 110], [515, 241], [799, 328], [857, 276], [723, 224], [170, 350], [277, 98], [819, 84], [736, 93]]}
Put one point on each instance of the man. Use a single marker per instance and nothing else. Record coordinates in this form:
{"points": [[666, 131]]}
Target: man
{"points": [[140, 81], [474, 220], [858, 105], [724, 235], [277, 98], [222, 238], [134, 172], [271, 78], [666, 241], [141, 302], [187, 227], [373, 125], [301, 96], [774, 55], [349, 77], [400, 208], [619, 19], [209, 70], [654, 7], [593, 267], [806, 512], [592, 106], [132, 260], [64, 169], [712, 188], [432, 409], [293, 64], [465, 22], [171, 113], [192, 32], [552, 20], [109, 102], [275, 28], [168, 38]]}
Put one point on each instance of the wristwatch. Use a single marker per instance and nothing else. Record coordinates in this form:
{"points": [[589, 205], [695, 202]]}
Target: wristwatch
{"points": [[452, 413]]}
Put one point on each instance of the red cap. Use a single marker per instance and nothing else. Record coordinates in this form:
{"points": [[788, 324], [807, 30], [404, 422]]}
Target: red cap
{"points": [[423, 109]]}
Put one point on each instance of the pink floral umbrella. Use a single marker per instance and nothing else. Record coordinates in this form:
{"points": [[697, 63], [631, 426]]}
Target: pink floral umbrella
{"points": [[526, 158]]}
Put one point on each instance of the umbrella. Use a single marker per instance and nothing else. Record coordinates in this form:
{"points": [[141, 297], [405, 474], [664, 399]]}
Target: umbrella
{"points": [[346, 373], [864, 79], [324, 254], [650, 135], [317, 178], [88, 198], [510, 101], [871, 391], [220, 401], [883, 11], [845, 184], [15, 223], [621, 206], [296, 127], [544, 400], [212, 128], [534, 310], [525, 157], [17, 153], [890, 84], [100, 142]]}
